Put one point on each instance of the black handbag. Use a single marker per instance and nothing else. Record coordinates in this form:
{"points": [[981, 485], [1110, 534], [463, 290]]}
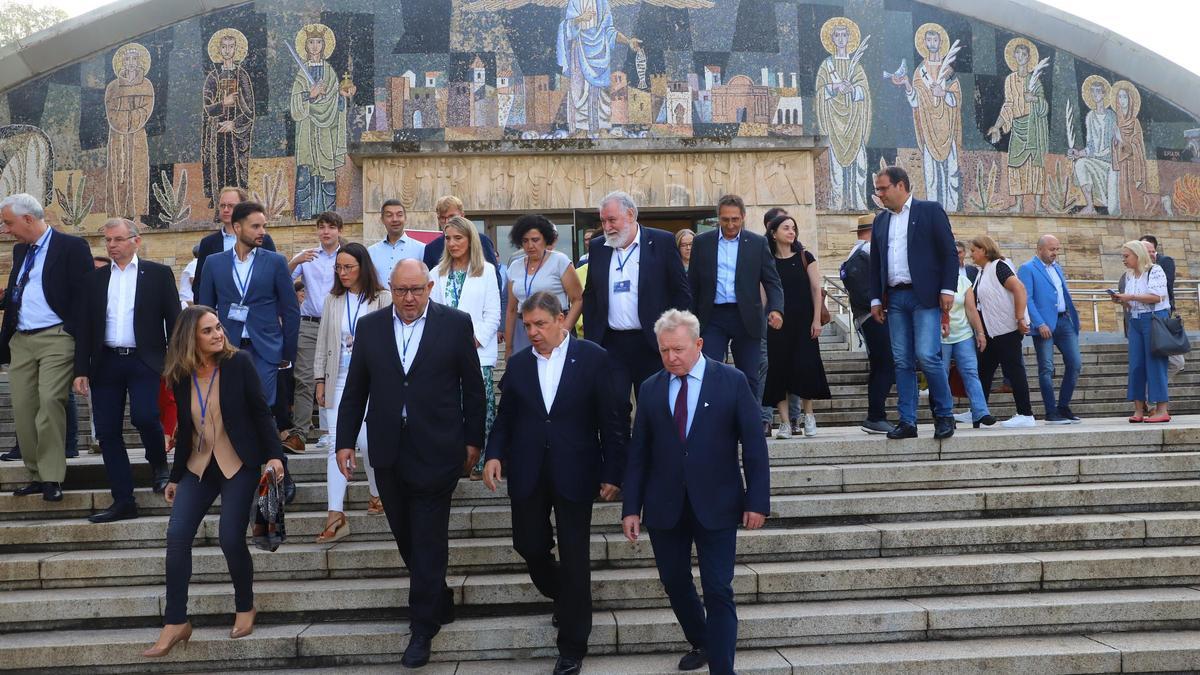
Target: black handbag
{"points": [[1167, 336], [269, 530]]}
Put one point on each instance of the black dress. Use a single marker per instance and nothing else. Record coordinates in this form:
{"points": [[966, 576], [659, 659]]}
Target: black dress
{"points": [[793, 357]]}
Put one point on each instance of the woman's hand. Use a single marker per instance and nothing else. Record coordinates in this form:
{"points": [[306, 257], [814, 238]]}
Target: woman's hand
{"points": [[980, 341], [816, 329], [1023, 326], [277, 465], [321, 394], [169, 493]]}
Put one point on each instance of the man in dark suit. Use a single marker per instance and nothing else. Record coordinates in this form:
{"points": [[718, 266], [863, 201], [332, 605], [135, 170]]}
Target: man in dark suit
{"points": [[634, 275], [129, 312], [728, 267], [416, 362], [563, 432], [682, 476], [224, 238], [447, 207], [914, 274], [37, 338], [252, 292]]}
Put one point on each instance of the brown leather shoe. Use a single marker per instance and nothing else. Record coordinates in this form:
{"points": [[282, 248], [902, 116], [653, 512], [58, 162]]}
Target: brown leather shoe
{"points": [[293, 444]]}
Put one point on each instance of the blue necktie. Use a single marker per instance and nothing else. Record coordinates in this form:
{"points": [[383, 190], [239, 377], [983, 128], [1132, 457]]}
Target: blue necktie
{"points": [[15, 301]]}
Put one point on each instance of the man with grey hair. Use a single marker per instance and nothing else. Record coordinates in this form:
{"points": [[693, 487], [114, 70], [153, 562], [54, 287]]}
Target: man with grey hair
{"points": [[634, 275], [130, 307], [37, 339], [683, 476]]}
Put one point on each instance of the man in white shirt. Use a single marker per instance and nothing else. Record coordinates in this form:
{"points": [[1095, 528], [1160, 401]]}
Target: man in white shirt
{"points": [[188, 277], [397, 245]]}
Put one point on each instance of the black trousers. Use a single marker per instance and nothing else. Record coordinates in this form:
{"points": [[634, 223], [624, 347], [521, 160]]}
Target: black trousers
{"points": [[1005, 351], [882, 369], [630, 352], [568, 581], [115, 377], [419, 518]]}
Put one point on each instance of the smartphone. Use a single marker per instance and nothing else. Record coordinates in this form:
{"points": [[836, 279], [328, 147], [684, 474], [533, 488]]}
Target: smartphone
{"points": [[1110, 292]]}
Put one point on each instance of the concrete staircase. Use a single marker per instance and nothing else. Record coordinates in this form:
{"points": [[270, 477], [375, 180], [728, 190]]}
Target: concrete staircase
{"points": [[1051, 550]]}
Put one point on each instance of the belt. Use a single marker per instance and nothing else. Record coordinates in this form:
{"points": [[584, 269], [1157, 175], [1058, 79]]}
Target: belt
{"points": [[121, 351], [245, 343], [1064, 313], [35, 331], [901, 287], [314, 319]]}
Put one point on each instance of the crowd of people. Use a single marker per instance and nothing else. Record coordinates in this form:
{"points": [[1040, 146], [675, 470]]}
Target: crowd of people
{"points": [[395, 345]]}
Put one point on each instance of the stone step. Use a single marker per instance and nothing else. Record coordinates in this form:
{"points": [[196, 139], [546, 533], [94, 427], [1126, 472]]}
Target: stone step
{"points": [[789, 626]]}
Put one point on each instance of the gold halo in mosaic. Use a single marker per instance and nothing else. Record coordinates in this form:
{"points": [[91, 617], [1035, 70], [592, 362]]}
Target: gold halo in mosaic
{"points": [[1135, 97], [851, 28], [315, 30], [1086, 91], [1012, 60], [919, 38], [241, 46], [143, 57]]}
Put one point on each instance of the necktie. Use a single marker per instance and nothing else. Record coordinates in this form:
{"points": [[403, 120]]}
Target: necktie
{"points": [[20, 289], [681, 409]]}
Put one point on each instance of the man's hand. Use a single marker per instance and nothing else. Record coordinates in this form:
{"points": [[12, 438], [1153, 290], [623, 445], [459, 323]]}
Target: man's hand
{"points": [[472, 459], [752, 520], [775, 320], [345, 462], [947, 302], [307, 255], [491, 474], [169, 493], [609, 492], [284, 365], [81, 386], [632, 526], [878, 313], [1044, 331]]}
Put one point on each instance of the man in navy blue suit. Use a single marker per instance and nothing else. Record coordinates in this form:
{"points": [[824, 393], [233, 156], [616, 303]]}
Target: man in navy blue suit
{"points": [[914, 273], [682, 474], [252, 292], [563, 433], [634, 275]]}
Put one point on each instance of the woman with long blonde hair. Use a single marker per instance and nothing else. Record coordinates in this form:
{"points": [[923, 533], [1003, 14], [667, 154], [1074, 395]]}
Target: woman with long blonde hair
{"points": [[1145, 296]]}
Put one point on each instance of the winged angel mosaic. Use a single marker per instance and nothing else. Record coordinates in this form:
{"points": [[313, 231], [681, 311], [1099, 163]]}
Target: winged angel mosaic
{"points": [[587, 38]]}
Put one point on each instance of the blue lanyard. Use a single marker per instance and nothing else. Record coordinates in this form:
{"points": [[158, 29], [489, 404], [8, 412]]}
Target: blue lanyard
{"points": [[528, 279], [354, 316], [205, 398], [621, 263], [249, 273], [406, 340]]}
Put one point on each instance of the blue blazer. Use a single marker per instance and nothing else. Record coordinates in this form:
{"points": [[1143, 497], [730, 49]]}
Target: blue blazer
{"points": [[581, 440], [1043, 300], [932, 256], [662, 284], [661, 470], [274, 319]]}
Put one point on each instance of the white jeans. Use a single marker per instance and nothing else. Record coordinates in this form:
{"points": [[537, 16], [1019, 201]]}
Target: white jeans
{"points": [[335, 482]]}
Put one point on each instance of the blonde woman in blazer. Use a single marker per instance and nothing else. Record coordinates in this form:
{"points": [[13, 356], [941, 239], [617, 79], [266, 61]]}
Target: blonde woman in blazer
{"points": [[356, 293], [462, 280]]}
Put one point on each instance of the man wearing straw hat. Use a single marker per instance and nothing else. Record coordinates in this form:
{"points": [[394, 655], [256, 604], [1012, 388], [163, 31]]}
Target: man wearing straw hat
{"points": [[856, 277]]}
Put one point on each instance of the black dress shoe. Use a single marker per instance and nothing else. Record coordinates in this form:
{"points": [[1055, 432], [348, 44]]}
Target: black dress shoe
{"points": [[943, 427], [162, 476], [902, 430], [13, 455], [986, 421], [694, 660], [34, 488], [416, 654], [118, 511], [52, 492], [565, 666]]}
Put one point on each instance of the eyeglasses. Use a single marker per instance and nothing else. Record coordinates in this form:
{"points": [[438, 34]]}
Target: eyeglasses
{"points": [[344, 268], [118, 240], [883, 188], [415, 291]]}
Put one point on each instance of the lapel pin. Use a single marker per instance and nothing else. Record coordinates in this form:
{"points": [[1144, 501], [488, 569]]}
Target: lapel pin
{"points": [[706, 404]]}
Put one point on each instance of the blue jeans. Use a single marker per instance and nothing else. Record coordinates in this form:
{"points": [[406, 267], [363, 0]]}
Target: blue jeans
{"points": [[1147, 372], [916, 333], [1066, 338], [963, 354]]}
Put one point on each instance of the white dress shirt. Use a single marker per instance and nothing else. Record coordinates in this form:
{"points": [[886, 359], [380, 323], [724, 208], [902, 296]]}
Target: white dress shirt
{"points": [[898, 272], [1060, 301], [118, 318], [624, 266], [549, 370], [385, 255], [318, 281], [242, 271]]}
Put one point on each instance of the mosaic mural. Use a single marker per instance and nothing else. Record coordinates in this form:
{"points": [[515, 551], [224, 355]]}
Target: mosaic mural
{"points": [[272, 96]]}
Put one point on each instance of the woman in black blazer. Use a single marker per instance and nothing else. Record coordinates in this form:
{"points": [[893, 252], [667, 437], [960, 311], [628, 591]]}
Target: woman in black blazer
{"points": [[226, 432]]}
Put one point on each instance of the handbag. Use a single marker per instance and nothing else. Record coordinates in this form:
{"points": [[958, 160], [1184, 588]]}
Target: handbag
{"points": [[825, 316], [269, 530], [1167, 336]]}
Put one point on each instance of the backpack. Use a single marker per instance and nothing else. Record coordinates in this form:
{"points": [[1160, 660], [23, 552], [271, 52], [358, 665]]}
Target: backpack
{"points": [[856, 277]]}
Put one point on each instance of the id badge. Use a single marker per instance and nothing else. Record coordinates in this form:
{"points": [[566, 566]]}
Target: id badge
{"points": [[238, 312], [622, 286]]}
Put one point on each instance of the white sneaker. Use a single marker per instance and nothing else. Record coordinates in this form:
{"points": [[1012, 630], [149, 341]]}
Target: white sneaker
{"points": [[325, 442], [923, 393], [810, 426], [963, 417], [784, 432], [1019, 422]]}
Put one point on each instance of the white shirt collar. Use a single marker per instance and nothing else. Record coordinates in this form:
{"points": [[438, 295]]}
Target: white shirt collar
{"points": [[396, 317], [637, 239], [557, 352], [133, 264], [907, 206]]}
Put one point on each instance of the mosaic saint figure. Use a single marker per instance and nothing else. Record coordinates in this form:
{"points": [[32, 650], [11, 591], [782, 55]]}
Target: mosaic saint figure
{"points": [[843, 103], [318, 106], [1025, 115], [128, 103], [228, 114], [935, 95], [1135, 191], [1094, 170]]}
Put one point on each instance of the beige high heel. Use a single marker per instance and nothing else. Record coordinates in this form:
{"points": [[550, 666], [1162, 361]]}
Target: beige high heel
{"points": [[237, 632], [183, 636]]}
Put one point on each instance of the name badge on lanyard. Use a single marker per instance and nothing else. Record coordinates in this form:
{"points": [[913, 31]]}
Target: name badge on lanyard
{"points": [[239, 311], [625, 285], [622, 286]]}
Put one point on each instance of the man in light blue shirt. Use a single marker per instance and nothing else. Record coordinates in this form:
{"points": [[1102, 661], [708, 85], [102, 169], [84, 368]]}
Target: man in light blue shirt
{"points": [[397, 245], [1054, 322]]}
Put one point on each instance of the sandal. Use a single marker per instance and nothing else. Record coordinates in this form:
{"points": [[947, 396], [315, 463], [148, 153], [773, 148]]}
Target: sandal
{"points": [[1158, 419], [1137, 419], [374, 506], [338, 529]]}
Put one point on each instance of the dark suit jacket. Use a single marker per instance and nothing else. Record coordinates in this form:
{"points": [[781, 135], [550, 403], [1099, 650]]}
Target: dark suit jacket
{"points": [[248, 420], [662, 284], [660, 469], [274, 319], [581, 438], [68, 260], [1167, 263], [932, 255], [212, 244], [755, 266], [155, 308], [443, 393], [433, 257]]}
